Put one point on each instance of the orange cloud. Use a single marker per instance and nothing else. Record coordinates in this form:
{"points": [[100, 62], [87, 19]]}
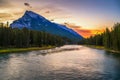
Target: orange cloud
{"points": [[47, 12], [84, 32], [88, 33]]}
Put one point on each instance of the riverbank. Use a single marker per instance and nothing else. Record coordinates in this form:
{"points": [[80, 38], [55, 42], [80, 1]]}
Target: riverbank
{"points": [[14, 50], [103, 48]]}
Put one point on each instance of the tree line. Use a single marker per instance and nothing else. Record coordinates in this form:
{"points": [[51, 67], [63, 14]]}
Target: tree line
{"points": [[110, 38], [28, 38]]}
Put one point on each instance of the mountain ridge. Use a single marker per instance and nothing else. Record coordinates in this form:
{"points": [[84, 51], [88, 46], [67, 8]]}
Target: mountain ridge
{"points": [[34, 21]]}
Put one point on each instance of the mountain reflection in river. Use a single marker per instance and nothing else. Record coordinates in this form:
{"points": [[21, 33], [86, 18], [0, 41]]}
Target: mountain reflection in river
{"points": [[70, 62]]}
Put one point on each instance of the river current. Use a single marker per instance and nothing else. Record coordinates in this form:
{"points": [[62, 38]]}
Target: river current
{"points": [[70, 62]]}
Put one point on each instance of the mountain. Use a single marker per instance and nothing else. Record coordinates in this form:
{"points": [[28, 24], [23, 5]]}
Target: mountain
{"points": [[34, 21]]}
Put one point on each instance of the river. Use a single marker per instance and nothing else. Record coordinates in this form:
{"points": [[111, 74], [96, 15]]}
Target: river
{"points": [[70, 62]]}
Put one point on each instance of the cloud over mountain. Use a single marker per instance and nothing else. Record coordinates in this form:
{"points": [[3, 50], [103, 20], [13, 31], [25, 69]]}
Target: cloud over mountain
{"points": [[34, 21]]}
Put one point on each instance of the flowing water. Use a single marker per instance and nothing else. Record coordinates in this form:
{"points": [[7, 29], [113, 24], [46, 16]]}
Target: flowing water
{"points": [[70, 62]]}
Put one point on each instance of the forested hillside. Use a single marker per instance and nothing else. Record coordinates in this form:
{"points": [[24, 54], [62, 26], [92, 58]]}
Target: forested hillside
{"points": [[109, 39], [28, 38]]}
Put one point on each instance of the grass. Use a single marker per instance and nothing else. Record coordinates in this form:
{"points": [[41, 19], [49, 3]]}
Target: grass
{"points": [[13, 50], [103, 48]]}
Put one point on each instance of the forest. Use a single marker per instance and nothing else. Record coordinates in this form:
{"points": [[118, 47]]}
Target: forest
{"points": [[110, 38], [23, 38]]}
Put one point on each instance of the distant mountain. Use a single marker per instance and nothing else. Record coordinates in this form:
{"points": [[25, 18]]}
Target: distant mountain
{"points": [[34, 21]]}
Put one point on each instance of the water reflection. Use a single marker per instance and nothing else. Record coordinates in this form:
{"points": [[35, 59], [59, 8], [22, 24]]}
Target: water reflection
{"points": [[70, 62]]}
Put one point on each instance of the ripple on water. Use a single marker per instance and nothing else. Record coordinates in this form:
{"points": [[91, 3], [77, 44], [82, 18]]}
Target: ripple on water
{"points": [[70, 62]]}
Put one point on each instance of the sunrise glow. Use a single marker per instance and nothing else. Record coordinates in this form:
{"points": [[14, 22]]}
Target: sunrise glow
{"points": [[90, 17]]}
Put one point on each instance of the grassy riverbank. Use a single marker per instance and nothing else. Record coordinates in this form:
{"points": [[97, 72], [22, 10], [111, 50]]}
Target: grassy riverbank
{"points": [[103, 48], [13, 50]]}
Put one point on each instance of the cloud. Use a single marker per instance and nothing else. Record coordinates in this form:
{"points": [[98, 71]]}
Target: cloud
{"points": [[52, 12], [5, 3], [49, 8], [5, 15], [28, 5], [72, 25], [47, 12], [87, 33], [2, 2], [84, 32], [18, 13]]}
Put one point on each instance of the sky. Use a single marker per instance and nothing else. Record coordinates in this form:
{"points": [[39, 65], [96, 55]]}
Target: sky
{"points": [[87, 17]]}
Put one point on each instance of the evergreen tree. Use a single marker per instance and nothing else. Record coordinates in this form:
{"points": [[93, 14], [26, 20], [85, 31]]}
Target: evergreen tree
{"points": [[109, 39]]}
